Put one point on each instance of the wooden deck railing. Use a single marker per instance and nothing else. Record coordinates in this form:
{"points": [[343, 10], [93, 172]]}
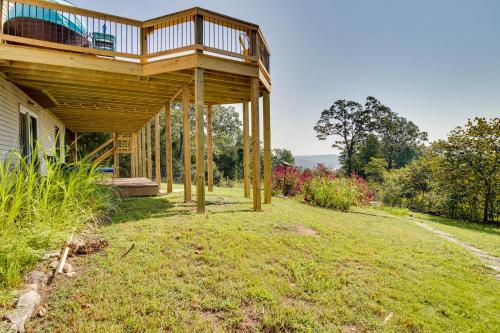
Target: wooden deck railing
{"points": [[50, 25]]}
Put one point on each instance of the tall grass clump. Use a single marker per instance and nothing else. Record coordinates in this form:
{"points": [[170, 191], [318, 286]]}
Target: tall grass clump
{"points": [[38, 211], [336, 192]]}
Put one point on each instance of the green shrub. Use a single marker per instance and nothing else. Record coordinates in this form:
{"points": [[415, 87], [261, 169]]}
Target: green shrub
{"points": [[337, 193], [39, 211]]}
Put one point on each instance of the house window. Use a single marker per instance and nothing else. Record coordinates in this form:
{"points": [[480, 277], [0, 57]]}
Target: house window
{"points": [[28, 133]]}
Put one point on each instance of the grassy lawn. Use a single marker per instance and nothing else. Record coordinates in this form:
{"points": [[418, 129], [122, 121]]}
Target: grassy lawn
{"points": [[292, 267]]}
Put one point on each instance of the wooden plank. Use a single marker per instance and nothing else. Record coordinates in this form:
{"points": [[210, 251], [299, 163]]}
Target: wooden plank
{"points": [[168, 148], [105, 156], [169, 65], [67, 59], [210, 157], [66, 47], [226, 65], [1, 18], [246, 151], [104, 145], [267, 148], [157, 150], [200, 142], [139, 154], [187, 143], [149, 152], [254, 92]]}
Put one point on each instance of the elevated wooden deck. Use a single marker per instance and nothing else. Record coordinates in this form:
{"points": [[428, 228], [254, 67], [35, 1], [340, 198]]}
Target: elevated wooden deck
{"points": [[100, 72]]}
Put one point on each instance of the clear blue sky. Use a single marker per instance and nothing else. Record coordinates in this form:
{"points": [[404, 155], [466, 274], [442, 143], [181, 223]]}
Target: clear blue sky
{"points": [[436, 62]]}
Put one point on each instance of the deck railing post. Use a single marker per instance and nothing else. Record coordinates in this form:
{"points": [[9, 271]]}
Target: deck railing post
{"points": [[198, 31], [253, 44], [144, 41]]}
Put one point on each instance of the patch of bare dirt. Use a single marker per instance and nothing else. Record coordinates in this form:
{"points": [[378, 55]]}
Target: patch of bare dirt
{"points": [[304, 231]]}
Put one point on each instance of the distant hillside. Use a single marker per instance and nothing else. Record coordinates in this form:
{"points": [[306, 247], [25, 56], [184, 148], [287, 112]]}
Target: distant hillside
{"points": [[310, 161]]}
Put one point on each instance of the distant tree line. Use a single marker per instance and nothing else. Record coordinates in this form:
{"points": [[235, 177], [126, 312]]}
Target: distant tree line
{"points": [[458, 177]]}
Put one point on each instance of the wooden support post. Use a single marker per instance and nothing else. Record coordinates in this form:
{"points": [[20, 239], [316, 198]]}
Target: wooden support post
{"points": [[267, 148], [138, 157], [254, 96], [143, 152], [246, 151], [116, 157], [149, 152], [139, 153], [1, 17], [199, 100], [168, 147], [210, 157], [157, 150], [133, 155], [186, 143]]}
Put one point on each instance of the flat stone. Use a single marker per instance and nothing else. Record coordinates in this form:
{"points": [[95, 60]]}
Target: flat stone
{"points": [[24, 309], [68, 268], [50, 255], [37, 277], [71, 275], [33, 287]]}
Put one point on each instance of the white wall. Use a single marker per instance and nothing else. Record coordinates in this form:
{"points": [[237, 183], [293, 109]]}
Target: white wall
{"points": [[11, 100]]}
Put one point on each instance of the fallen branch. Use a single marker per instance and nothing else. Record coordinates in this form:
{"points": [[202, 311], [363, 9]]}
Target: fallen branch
{"points": [[128, 251]]}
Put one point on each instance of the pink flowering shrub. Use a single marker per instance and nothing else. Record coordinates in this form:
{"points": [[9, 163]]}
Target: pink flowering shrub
{"points": [[288, 181]]}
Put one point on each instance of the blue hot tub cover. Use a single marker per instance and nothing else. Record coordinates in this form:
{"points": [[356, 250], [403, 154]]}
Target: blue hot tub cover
{"points": [[66, 20]]}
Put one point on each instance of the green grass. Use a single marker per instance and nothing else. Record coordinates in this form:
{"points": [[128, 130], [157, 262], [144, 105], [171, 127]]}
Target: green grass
{"points": [[479, 235], [38, 210], [235, 270]]}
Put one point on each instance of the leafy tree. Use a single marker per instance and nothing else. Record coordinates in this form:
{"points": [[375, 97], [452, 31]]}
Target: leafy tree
{"points": [[227, 142], [400, 138], [281, 155], [470, 166], [374, 170], [370, 148], [351, 122]]}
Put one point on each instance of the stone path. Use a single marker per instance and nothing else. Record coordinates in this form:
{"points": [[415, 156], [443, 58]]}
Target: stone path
{"points": [[488, 259]]}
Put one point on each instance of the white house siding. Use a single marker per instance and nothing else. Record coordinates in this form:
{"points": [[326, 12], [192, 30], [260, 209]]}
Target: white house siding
{"points": [[11, 101]]}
